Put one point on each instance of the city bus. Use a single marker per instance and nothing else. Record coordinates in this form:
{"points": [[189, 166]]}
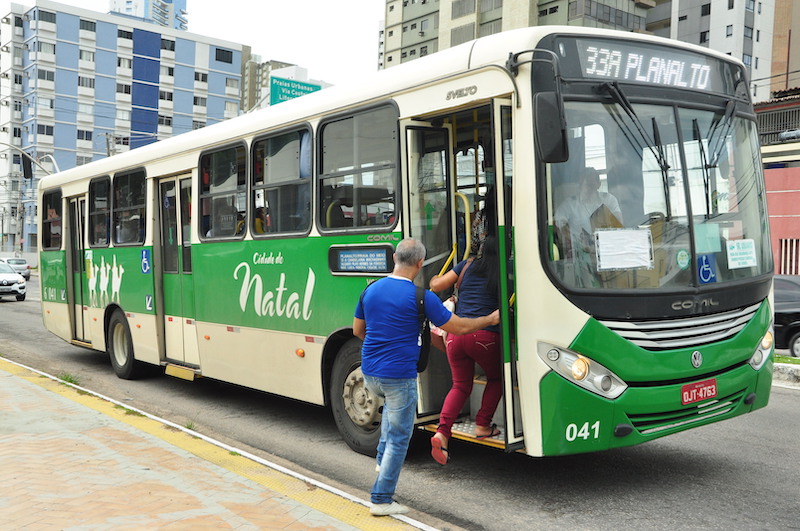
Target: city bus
{"points": [[238, 251]]}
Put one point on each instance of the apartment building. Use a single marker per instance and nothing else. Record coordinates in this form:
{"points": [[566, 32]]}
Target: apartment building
{"points": [[77, 85], [167, 13], [415, 28], [741, 28]]}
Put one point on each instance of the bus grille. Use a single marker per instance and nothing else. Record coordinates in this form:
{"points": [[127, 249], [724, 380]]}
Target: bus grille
{"points": [[655, 422], [683, 332]]}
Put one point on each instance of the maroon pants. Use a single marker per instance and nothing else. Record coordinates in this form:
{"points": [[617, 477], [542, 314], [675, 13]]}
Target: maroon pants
{"points": [[481, 347]]}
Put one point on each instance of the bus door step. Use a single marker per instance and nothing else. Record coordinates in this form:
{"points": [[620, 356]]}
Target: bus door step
{"points": [[179, 371], [479, 385]]}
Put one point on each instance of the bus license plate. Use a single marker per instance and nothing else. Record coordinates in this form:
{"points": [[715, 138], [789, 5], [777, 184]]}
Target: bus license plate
{"points": [[697, 391]]}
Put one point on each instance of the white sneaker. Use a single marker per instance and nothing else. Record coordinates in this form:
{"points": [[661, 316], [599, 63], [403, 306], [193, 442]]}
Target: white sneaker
{"points": [[386, 509], [378, 468]]}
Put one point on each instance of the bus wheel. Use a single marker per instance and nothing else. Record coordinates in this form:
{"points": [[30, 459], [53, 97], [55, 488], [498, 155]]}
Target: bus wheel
{"points": [[357, 412], [120, 347]]}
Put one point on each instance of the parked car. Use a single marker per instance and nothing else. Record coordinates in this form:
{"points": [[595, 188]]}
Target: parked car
{"points": [[787, 313], [20, 265], [11, 282]]}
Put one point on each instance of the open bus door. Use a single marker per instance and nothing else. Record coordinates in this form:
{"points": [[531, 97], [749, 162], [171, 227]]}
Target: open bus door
{"points": [[503, 157], [452, 169], [175, 302], [430, 220], [77, 287]]}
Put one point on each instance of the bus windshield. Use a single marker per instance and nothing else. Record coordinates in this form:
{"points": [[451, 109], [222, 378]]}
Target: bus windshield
{"points": [[656, 197]]}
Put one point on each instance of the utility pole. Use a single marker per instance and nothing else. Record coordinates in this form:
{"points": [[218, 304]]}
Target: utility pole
{"points": [[27, 172]]}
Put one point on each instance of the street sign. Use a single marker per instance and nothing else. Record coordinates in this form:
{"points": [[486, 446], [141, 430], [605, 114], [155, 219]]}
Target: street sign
{"points": [[281, 89]]}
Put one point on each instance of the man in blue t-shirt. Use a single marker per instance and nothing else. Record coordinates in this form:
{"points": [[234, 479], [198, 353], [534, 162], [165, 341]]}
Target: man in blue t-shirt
{"points": [[386, 319]]}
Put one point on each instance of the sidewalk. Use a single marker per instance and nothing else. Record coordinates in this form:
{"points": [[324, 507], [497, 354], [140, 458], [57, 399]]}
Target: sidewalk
{"points": [[71, 460]]}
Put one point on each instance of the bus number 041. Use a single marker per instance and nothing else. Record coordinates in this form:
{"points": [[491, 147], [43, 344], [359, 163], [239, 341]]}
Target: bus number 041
{"points": [[584, 432]]}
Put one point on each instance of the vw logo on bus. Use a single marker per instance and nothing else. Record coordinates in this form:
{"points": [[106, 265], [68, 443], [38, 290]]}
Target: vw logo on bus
{"points": [[697, 359]]}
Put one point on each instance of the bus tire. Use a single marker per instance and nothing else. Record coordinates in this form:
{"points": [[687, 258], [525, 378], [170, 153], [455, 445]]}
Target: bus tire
{"points": [[120, 348], [357, 412]]}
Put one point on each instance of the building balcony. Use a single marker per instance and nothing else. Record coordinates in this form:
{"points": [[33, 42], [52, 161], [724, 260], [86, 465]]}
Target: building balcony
{"points": [[647, 4], [41, 26]]}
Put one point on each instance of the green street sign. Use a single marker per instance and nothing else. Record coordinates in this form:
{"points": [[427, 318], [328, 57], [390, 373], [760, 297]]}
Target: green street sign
{"points": [[281, 89]]}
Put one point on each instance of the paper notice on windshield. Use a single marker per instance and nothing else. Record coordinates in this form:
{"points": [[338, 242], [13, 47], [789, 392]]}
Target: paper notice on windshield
{"points": [[741, 253], [624, 249]]}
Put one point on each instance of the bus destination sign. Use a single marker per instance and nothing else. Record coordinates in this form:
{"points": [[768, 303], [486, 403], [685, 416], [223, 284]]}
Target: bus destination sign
{"points": [[619, 61], [374, 259]]}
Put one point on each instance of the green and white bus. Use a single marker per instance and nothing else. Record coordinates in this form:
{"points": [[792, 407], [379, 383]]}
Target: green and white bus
{"points": [[238, 252]]}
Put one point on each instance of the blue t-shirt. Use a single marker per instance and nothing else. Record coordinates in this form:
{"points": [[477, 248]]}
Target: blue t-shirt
{"points": [[474, 299], [391, 347]]}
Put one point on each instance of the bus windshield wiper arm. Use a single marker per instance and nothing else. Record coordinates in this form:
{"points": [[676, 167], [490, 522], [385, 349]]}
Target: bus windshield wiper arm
{"points": [[719, 140], [654, 144], [657, 151], [704, 164]]}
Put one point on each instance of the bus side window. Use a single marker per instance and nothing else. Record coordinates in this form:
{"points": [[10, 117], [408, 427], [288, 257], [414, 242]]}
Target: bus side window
{"points": [[222, 192], [281, 183]]}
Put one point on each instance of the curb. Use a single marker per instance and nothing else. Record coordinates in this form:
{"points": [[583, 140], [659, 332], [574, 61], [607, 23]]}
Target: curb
{"points": [[314, 494], [786, 373]]}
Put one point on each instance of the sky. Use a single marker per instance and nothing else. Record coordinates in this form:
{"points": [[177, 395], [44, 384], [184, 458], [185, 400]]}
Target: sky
{"points": [[335, 41]]}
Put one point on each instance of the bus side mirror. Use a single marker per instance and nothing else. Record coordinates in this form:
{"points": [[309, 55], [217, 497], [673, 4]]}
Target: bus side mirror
{"points": [[550, 127]]}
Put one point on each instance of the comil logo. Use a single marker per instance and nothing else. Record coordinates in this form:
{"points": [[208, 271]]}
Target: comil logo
{"points": [[691, 303], [462, 92]]}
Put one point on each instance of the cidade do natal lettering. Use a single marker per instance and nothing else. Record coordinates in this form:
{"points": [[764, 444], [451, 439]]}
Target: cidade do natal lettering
{"points": [[275, 302]]}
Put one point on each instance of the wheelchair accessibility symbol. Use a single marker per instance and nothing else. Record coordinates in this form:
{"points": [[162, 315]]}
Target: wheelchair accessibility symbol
{"points": [[145, 261], [707, 268]]}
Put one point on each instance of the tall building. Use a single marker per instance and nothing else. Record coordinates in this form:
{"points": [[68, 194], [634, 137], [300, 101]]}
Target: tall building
{"points": [[741, 28], [415, 28], [167, 13], [785, 49], [76, 85], [256, 81]]}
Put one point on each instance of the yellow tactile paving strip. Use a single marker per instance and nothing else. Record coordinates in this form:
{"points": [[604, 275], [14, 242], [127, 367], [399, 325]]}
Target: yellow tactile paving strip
{"points": [[57, 475]]}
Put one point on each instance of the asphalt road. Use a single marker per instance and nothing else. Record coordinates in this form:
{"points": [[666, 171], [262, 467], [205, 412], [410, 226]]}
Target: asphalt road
{"points": [[737, 474]]}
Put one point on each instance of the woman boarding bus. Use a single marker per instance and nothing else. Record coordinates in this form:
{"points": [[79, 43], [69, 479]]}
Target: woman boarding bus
{"points": [[246, 244]]}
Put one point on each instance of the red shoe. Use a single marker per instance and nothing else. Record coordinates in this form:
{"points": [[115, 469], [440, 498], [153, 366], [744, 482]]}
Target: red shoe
{"points": [[439, 452]]}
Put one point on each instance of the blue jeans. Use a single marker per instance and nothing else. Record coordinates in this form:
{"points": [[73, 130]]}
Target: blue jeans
{"points": [[397, 425]]}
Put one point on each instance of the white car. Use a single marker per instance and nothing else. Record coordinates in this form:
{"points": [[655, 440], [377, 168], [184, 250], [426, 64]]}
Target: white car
{"points": [[20, 265], [11, 282]]}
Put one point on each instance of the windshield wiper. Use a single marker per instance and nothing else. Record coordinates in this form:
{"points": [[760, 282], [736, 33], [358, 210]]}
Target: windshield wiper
{"points": [[724, 129], [704, 165], [654, 144]]}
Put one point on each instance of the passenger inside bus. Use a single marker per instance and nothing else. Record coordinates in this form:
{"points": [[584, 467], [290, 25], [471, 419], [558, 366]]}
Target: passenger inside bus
{"points": [[483, 221], [261, 221], [576, 219]]}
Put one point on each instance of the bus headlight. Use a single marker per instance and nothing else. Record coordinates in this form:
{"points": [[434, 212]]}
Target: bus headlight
{"points": [[761, 355], [582, 371]]}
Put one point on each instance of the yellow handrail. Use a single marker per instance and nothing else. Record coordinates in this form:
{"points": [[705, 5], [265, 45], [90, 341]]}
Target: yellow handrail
{"points": [[449, 260]]}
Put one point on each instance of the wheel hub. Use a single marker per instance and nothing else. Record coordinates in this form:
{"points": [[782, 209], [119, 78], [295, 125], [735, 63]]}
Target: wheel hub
{"points": [[363, 408]]}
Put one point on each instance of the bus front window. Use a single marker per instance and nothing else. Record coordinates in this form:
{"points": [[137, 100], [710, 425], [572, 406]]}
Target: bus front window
{"points": [[666, 199]]}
